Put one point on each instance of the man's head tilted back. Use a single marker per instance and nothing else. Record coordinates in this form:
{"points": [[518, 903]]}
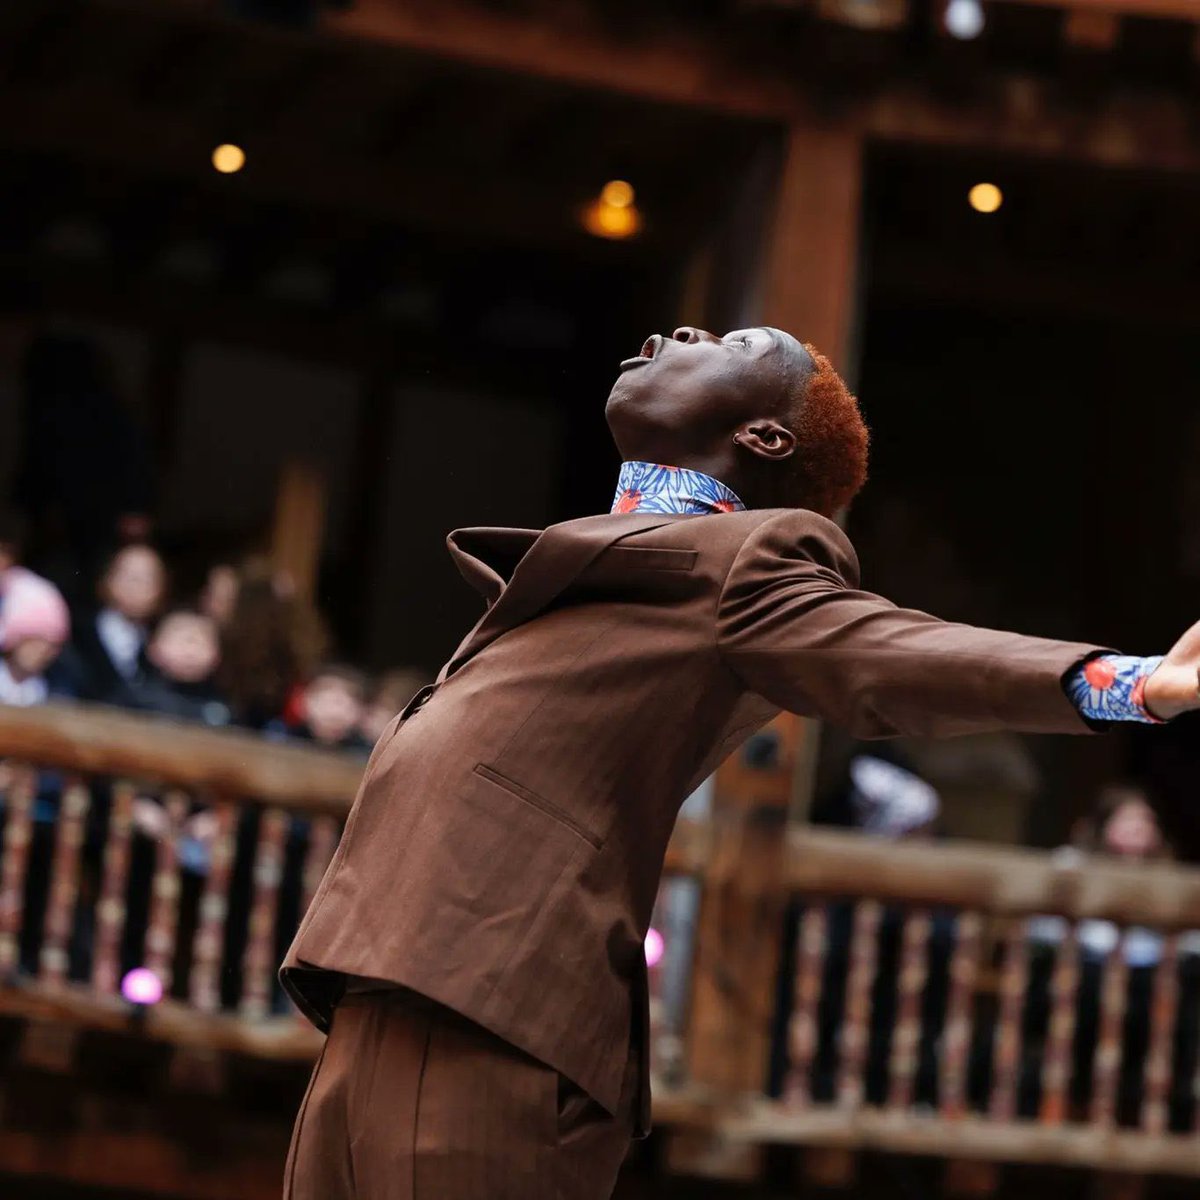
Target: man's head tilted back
{"points": [[767, 416]]}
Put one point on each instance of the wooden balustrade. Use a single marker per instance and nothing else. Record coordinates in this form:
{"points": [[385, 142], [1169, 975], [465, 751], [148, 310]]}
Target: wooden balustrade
{"points": [[931, 1012]]}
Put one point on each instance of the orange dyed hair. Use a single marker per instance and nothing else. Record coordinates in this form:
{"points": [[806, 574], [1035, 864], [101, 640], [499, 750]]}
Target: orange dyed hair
{"points": [[831, 441]]}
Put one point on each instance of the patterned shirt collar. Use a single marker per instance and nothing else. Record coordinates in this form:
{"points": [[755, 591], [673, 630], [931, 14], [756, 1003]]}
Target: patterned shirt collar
{"points": [[653, 488]]}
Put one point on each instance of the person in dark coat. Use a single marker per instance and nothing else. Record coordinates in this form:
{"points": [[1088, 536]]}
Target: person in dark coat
{"points": [[106, 660]]}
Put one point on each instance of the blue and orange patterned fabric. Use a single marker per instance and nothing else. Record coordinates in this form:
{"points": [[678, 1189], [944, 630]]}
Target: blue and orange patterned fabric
{"points": [[1111, 687], [652, 488]]}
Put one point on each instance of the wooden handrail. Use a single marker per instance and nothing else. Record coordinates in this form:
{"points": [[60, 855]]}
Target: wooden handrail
{"points": [[101, 741], [992, 879], [983, 878]]}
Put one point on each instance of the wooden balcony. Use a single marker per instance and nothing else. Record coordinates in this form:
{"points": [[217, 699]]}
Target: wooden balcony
{"points": [[193, 1096]]}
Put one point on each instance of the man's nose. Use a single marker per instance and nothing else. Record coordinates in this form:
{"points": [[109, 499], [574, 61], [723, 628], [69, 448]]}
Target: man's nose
{"points": [[691, 335]]}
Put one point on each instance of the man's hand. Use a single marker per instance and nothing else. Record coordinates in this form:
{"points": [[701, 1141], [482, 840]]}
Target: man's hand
{"points": [[1175, 687]]}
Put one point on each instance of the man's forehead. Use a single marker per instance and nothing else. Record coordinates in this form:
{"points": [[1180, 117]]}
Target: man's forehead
{"points": [[790, 347]]}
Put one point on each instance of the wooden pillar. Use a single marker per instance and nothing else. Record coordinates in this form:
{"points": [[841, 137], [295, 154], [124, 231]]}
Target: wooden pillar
{"points": [[811, 258], [806, 283], [299, 526]]}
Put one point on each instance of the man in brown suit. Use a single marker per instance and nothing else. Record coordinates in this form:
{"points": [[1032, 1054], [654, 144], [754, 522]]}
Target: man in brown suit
{"points": [[476, 948]]}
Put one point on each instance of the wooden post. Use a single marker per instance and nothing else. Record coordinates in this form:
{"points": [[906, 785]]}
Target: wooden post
{"points": [[806, 284], [299, 526], [810, 268]]}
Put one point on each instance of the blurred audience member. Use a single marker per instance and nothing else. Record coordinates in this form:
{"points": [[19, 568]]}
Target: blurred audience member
{"points": [[84, 476], [272, 641], [390, 693], [106, 659], [182, 658], [34, 627], [219, 596], [330, 709]]}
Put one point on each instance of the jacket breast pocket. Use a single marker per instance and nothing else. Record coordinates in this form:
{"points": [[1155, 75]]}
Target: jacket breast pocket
{"points": [[647, 558], [554, 811]]}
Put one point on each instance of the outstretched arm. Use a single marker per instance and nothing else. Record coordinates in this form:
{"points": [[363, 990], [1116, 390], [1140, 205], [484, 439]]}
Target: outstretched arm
{"points": [[794, 627]]}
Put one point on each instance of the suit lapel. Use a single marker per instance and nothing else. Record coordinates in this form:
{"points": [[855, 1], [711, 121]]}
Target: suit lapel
{"points": [[557, 557]]}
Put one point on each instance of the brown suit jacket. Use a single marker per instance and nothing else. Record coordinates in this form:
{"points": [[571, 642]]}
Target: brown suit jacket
{"points": [[505, 848]]}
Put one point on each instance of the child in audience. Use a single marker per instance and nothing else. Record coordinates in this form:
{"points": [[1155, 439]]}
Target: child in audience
{"points": [[182, 657], [107, 655], [330, 709]]}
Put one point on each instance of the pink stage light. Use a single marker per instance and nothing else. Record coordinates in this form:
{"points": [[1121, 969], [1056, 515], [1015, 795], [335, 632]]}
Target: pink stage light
{"points": [[142, 986], [654, 947]]}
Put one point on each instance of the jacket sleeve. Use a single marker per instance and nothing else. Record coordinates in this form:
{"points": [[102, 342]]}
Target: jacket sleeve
{"points": [[795, 629]]}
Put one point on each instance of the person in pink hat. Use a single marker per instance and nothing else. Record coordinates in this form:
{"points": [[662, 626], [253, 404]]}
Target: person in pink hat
{"points": [[34, 627]]}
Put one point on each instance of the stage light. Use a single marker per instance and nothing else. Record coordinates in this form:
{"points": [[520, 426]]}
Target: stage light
{"points": [[985, 197], [613, 214], [228, 158], [142, 987], [964, 19], [655, 947]]}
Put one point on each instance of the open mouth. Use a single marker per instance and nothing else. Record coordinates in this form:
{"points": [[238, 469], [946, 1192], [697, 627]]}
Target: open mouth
{"points": [[650, 348]]}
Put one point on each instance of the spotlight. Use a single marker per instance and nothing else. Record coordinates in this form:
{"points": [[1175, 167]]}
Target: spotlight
{"points": [[655, 947], [228, 158], [964, 19], [613, 214], [985, 197], [142, 987]]}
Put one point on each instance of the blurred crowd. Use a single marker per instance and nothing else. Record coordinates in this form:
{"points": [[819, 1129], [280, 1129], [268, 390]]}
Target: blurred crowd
{"points": [[245, 651]]}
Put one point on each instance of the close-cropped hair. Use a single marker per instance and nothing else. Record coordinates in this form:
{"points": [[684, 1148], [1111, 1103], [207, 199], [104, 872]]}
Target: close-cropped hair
{"points": [[831, 441]]}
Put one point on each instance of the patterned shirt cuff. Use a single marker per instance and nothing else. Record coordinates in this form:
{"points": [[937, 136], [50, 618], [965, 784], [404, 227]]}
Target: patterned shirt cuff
{"points": [[1113, 688]]}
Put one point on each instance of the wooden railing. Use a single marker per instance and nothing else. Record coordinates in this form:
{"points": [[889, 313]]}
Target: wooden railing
{"points": [[933, 1008]]}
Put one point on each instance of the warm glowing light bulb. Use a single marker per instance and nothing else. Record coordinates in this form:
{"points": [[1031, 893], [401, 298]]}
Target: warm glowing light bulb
{"points": [[228, 158], [985, 197], [655, 947], [617, 193]]}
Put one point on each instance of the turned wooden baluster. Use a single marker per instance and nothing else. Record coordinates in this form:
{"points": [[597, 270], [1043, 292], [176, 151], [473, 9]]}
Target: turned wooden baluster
{"points": [[259, 973], [1163, 1007], [1006, 1059], [1114, 986], [110, 904], [956, 1040], [802, 1028], [14, 863], [910, 987], [1064, 1003], [209, 945], [855, 1031], [322, 841], [64, 881], [164, 893]]}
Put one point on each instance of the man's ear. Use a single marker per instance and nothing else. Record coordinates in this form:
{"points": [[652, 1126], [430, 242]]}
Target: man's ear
{"points": [[766, 439]]}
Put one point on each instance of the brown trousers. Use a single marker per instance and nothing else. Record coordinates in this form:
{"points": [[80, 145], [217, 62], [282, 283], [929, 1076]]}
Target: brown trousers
{"points": [[410, 1101]]}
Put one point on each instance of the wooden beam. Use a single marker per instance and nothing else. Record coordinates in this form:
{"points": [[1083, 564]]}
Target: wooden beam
{"points": [[672, 66], [761, 1122], [990, 879], [95, 740], [1176, 10], [58, 1013]]}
